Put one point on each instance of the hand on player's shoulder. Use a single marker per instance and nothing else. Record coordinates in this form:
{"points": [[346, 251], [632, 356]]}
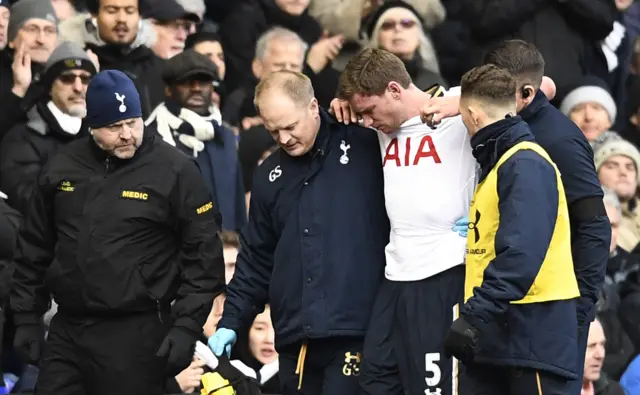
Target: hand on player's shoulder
{"points": [[343, 111], [435, 109]]}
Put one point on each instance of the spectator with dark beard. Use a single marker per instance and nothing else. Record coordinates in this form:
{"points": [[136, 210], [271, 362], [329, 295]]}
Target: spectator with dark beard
{"points": [[115, 32]]}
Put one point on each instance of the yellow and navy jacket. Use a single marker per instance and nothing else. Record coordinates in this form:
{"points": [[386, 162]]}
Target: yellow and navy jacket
{"points": [[109, 237], [520, 288]]}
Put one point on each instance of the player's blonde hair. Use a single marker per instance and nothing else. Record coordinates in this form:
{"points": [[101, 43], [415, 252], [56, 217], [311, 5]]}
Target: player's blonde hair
{"points": [[370, 72]]}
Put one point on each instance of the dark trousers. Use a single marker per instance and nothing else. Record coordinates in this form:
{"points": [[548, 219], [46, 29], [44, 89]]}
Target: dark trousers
{"points": [[576, 385], [495, 380], [331, 367], [103, 356], [404, 347]]}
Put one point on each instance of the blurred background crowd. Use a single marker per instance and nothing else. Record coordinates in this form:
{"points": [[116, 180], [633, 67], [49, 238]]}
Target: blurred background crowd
{"points": [[196, 64]]}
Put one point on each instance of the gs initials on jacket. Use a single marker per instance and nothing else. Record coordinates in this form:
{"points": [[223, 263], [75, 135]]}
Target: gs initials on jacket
{"points": [[555, 280]]}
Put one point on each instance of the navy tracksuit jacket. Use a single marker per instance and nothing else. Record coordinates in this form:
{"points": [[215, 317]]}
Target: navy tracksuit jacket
{"points": [[314, 245], [590, 228]]}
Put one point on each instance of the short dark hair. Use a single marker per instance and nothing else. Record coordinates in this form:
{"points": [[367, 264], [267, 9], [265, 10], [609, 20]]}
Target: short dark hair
{"points": [[370, 72], [489, 83], [521, 59], [230, 239]]}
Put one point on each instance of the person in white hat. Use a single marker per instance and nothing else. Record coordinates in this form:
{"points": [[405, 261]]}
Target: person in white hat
{"points": [[617, 164]]}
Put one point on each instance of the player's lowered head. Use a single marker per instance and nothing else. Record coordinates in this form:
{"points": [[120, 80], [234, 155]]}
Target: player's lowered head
{"points": [[379, 89], [287, 105], [525, 63], [487, 95], [114, 114]]}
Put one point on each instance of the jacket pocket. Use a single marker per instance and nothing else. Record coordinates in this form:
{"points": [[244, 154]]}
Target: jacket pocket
{"points": [[64, 283]]}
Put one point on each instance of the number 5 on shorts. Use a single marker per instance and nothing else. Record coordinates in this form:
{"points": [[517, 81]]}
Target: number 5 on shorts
{"points": [[432, 367]]}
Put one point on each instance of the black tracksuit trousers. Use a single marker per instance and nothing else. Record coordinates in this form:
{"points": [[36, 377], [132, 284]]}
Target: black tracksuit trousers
{"points": [[100, 356]]}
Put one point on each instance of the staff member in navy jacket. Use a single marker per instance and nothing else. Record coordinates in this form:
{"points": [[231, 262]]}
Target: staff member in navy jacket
{"points": [[314, 245], [517, 330], [570, 151], [572, 154]]}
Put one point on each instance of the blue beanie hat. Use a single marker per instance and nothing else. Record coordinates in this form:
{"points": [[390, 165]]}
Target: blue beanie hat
{"points": [[111, 97]]}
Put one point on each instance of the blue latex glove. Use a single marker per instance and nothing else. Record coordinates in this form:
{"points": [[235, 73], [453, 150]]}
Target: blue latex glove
{"points": [[222, 341], [461, 226]]}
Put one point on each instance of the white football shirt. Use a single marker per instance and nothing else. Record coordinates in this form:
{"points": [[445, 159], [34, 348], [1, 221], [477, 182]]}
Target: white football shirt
{"points": [[429, 177]]}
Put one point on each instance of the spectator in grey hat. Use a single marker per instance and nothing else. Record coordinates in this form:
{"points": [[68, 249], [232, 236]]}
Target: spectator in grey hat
{"points": [[33, 25], [31, 36], [4, 22], [54, 120]]}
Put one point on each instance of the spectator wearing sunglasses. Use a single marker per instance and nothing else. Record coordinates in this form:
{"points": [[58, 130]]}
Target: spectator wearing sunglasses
{"points": [[396, 26], [56, 106]]}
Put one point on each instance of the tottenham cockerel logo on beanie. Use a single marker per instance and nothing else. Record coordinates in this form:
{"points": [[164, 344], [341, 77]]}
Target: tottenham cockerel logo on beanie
{"points": [[111, 97]]}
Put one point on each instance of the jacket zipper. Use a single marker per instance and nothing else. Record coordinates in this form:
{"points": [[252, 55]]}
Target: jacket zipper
{"points": [[106, 166], [158, 306]]}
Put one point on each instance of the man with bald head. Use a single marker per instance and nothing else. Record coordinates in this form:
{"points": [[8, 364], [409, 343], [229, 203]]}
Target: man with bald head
{"points": [[314, 245]]}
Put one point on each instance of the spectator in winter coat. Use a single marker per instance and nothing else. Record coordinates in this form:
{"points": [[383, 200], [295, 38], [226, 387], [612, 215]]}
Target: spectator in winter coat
{"points": [[595, 382], [242, 28], [277, 49], [185, 120], [172, 24], [31, 37], [53, 120], [617, 165], [591, 107], [396, 27], [115, 32], [350, 19]]}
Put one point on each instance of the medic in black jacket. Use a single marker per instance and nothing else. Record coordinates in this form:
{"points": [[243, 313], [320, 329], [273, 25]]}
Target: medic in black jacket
{"points": [[314, 245], [119, 227]]}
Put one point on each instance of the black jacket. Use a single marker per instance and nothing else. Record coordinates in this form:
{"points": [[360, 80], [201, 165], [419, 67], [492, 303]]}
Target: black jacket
{"points": [[590, 227], [26, 149], [314, 245], [112, 237]]}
